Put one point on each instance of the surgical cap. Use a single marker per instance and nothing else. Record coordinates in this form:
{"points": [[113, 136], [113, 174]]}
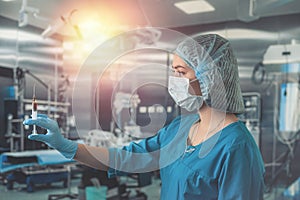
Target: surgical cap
{"points": [[211, 57]]}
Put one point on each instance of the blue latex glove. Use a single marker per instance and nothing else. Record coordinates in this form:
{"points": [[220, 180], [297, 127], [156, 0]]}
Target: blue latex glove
{"points": [[53, 138]]}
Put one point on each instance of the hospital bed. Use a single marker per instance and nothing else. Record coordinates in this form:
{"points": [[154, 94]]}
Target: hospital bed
{"points": [[34, 167]]}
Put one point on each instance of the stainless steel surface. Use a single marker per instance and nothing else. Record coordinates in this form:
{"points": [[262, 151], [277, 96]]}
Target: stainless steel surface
{"points": [[250, 31], [26, 49]]}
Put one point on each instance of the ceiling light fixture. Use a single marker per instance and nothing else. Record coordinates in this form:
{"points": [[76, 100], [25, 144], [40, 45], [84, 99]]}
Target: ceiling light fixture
{"points": [[195, 6], [243, 34]]}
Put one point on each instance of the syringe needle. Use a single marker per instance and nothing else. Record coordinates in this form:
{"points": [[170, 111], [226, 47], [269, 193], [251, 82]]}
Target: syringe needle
{"points": [[33, 90]]}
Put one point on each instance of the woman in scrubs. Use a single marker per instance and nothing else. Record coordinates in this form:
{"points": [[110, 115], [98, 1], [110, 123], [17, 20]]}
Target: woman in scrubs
{"points": [[206, 153]]}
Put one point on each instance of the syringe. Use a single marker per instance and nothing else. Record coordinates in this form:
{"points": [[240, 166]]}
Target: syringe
{"points": [[34, 110]]}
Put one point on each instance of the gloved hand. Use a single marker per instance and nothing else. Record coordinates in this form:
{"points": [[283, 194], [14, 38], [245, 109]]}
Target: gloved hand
{"points": [[53, 138]]}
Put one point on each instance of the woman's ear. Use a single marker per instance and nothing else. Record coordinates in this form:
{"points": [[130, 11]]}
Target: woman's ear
{"points": [[195, 89]]}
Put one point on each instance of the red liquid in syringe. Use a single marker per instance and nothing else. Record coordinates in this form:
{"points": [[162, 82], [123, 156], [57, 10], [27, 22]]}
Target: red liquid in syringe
{"points": [[34, 114]]}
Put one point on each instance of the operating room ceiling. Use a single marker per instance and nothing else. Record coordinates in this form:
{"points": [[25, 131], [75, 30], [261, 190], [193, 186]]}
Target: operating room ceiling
{"points": [[159, 13], [251, 29]]}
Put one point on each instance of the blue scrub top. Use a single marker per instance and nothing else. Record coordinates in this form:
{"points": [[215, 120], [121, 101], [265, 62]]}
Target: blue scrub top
{"points": [[226, 166]]}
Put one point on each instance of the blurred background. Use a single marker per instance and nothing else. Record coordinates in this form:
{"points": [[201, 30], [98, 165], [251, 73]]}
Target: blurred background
{"points": [[100, 68]]}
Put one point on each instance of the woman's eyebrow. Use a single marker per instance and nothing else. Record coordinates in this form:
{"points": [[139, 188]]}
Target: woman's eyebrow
{"points": [[178, 66]]}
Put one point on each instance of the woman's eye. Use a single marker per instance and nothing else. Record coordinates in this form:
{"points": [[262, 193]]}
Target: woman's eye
{"points": [[176, 72]]}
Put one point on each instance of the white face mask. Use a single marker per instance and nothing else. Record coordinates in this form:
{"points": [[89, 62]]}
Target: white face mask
{"points": [[179, 91]]}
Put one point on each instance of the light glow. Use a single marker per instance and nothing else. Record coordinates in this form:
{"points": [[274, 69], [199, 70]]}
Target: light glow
{"points": [[67, 45], [91, 30]]}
